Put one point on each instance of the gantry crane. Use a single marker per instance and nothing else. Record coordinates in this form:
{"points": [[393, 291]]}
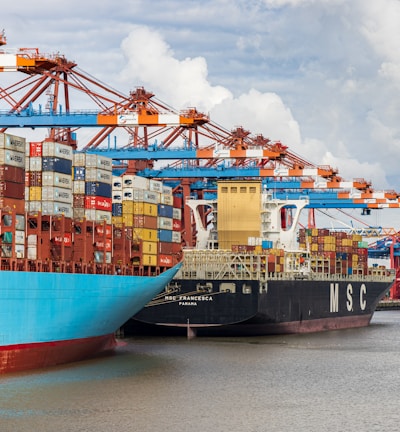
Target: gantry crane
{"points": [[191, 151]]}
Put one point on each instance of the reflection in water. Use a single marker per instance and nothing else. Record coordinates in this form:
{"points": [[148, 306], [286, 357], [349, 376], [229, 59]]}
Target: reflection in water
{"points": [[340, 380]]}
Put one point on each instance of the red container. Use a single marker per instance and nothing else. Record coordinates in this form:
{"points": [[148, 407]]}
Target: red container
{"points": [[165, 260], [103, 245], [33, 178], [79, 201], [177, 203], [12, 190], [66, 238], [98, 203], [17, 204], [35, 149], [101, 228], [12, 174], [176, 225], [143, 221], [165, 248]]}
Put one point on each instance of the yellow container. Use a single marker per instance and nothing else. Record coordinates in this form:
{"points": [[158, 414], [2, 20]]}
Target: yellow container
{"points": [[127, 219], [35, 193], [117, 220], [146, 234], [150, 248], [149, 260], [127, 207]]}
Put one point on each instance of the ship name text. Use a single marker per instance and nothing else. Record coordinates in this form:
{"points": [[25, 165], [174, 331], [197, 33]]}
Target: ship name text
{"points": [[351, 297]]}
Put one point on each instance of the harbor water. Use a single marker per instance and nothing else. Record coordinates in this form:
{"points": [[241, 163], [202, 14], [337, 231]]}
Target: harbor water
{"points": [[346, 380]]}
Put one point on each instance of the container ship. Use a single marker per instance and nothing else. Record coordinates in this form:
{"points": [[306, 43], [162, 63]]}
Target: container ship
{"points": [[255, 272], [80, 252]]}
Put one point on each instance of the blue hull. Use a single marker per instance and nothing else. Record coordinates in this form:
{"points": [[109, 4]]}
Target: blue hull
{"points": [[50, 308]]}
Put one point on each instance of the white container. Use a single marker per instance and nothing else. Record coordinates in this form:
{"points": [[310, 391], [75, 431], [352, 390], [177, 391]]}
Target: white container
{"points": [[176, 213], [166, 199], [19, 222], [20, 237], [98, 215], [32, 252], [56, 208], [51, 193], [12, 142], [117, 197], [52, 149], [20, 251], [133, 181], [79, 187], [79, 213], [151, 197], [92, 160], [35, 163], [176, 237], [98, 175], [33, 206], [116, 183], [32, 240], [164, 223], [155, 186], [12, 158], [52, 178]]}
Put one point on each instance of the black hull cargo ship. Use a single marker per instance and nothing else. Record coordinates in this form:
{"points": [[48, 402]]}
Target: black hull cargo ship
{"points": [[232, 295], [254, 272]]}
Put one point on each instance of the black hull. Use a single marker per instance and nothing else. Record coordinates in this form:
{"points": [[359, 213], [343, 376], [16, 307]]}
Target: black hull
{"points": [[281, 307]]}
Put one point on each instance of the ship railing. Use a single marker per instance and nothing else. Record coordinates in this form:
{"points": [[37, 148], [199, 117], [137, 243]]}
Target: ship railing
{"points": [[328, 276]]}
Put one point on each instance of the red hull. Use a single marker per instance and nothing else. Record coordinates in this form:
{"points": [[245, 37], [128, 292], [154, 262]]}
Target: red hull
{"points": [[24, 357]]}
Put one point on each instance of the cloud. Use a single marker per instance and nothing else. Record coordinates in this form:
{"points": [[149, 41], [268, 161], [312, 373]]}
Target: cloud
{"points": [[180, 83]]}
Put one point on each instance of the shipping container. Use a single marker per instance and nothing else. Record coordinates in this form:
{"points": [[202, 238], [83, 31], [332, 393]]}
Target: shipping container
{"points": [[98, 189], [55, 164], [165, 211], [165, 235], [12, 173], [135, 182], [12, 190], [165, 260], [51, 193], [34, 194], [57, 150], [98, 203], [98, 175], [98, 215], [116, 209], [79, 173], [167, 199], [12, 142], [56, 208], [164, 223], [12, 158], [50, 178], [149, 247], [79, 187], [35, 164], [34, 149], [155, 186], [92, 161], [117, 183], [144, 221]]}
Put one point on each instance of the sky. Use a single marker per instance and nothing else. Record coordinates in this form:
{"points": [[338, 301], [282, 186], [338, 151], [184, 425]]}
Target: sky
{"points": [[321, 76]]}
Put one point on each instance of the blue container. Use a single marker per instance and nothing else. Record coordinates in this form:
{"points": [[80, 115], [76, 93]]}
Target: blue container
{"points": [[79, 173], [267, 244], [165, 235], [165, 210], [55, 164], [117, 209], [98, 189]]}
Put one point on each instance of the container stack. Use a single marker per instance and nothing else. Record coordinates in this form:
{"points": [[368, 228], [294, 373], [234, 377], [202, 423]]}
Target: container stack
{"points": [[335, 252], [92, 187], [12, 191]]}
